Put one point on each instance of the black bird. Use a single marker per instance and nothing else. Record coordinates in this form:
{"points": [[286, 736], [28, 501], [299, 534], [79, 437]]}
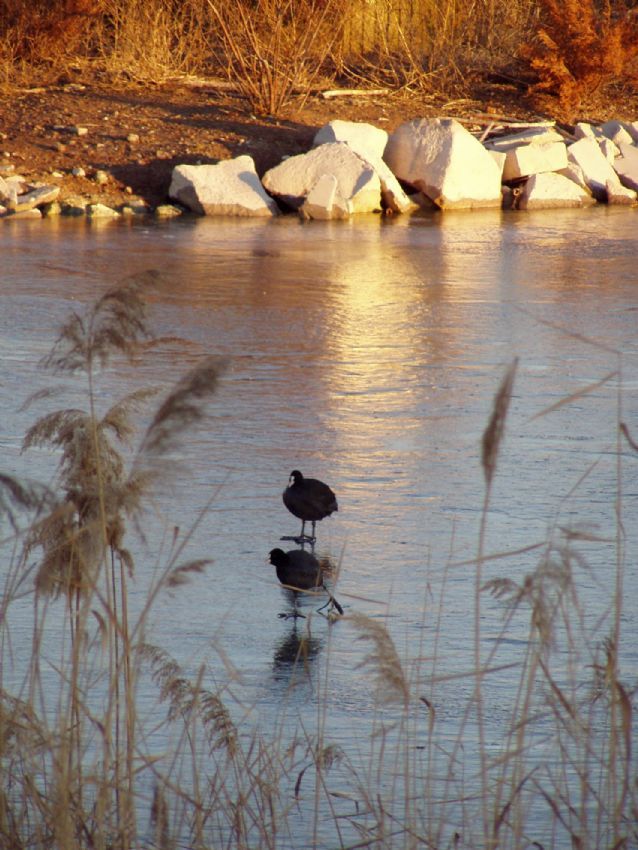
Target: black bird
{"points": [[310, 500], [300, 570]]}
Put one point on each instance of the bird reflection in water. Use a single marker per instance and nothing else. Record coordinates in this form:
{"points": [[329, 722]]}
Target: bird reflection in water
{"points": [[295, 653]]}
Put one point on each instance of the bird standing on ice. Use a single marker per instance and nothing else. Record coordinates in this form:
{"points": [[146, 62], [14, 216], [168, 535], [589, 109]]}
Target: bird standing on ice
{"points": [[310, 500]]}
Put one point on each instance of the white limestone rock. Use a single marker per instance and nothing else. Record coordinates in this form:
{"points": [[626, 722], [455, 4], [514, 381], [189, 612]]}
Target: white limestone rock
{"points": [[16, 215], [168, 211], [365, 139], [524, 160], [626, 166], [499, 158], [618, 132], [443, 160], [358, 183], [51, 210], [33, 198], [369, 142], [619, 194], [583, 130], [530, 136], [596, 169], [101, 211], [549, 190], [74, 206], [324, 201], [11, 187], [5, 191], [575, 173], [394, 198], [230, 187], [609, 150]]}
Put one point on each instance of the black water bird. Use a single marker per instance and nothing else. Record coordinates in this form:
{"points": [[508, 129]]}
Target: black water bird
{"points": [[310, 500], [299, 570]]}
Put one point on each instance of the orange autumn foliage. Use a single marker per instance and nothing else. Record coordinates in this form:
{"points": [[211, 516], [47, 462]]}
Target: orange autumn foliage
{"points": [[581, 47]]}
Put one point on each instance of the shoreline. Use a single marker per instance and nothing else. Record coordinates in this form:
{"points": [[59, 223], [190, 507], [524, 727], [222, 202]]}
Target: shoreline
{"points": [[115, 147]]}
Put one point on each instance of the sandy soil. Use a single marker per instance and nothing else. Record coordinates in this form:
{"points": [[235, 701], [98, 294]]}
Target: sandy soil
{"points": [[194, 122]]}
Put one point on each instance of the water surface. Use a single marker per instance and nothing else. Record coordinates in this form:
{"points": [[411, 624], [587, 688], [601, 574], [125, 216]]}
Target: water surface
{"points": [[367, 354]]}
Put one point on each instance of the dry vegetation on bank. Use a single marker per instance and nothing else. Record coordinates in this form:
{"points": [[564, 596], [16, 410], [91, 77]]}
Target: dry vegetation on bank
{"points": [[566, 53]]}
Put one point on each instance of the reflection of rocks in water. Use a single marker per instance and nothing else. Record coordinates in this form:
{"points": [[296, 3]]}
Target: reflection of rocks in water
{"points": [[295, 653]]}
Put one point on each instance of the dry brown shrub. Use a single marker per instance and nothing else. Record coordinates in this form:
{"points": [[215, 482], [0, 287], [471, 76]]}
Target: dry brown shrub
{"points": [[582, 46], [46, 29], [274, 52]]}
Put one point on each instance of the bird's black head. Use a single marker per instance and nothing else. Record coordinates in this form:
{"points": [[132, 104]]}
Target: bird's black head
{"points": [[277, 556], [296, 477]]}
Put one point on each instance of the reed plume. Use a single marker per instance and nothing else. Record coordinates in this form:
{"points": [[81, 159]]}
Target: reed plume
{"points": [[493, 434], [19, 497], [187, 699], [382, 659], [183, 407]]}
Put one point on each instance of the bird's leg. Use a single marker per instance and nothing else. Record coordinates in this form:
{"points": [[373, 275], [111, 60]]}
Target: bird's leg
{"points": [[331, 601], [298, 539], [295, 612], [303, 537]]}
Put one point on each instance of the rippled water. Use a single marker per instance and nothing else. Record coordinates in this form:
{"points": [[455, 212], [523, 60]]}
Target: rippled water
{"points": [[367, 354]]}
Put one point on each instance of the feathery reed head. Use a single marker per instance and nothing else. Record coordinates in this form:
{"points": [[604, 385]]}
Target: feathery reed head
{"points": [[183, 407], [114, 324], [383, 659], [493, 434]]}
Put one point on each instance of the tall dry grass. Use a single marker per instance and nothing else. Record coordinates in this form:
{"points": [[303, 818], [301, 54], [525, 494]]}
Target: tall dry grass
{"points": [[77, 765], [277, 53]]}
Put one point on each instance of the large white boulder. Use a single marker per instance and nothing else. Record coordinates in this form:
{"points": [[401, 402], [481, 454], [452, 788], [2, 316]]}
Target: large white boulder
{"points": [[597, 170], [358, 183], [442, 159], [524, 160], [626, 166], [231, 187], [549, 190], [365, 139], [369, 142]]}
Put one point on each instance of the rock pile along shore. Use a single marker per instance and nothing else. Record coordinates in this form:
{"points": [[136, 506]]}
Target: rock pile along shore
{"points": [[355, 168]]}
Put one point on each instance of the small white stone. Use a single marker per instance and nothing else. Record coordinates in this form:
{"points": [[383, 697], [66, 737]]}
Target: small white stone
{"points": [[101, 211], [168, 211]]}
